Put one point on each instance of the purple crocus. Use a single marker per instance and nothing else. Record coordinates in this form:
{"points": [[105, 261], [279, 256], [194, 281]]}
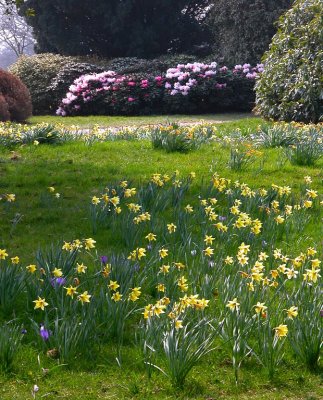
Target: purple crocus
{"points": [[44, 333], [104, 260], [56, 282], [321, 313]]}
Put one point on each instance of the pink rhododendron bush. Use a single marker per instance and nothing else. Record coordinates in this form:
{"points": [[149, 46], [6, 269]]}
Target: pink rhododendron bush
{"points": [[186, 88]]}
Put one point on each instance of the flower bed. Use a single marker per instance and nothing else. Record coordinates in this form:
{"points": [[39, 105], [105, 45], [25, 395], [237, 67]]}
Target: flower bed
{"points": [[192, 87]]}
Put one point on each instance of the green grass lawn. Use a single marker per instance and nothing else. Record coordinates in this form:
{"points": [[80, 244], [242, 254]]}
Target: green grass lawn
{"points": [[137, 121], [78, 172]]}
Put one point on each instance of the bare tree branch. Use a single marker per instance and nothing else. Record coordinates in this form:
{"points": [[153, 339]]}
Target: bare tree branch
{"points": [[15, 33]]}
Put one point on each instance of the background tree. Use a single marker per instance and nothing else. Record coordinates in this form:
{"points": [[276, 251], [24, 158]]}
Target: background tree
{"points": [[291, 86], [113, 28], [243, 29], [15, 33]]}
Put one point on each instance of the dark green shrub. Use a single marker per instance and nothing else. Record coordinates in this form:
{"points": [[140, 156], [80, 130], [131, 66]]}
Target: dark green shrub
{"points": [[133, 65], [291, 87]]}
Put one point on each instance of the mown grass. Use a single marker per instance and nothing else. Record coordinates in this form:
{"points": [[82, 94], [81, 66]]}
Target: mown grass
{"points": [[78, 172], [211, 379], [138, 120]]}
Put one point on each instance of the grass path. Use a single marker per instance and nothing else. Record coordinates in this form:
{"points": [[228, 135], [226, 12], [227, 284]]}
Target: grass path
{"points": [[116, 121]]}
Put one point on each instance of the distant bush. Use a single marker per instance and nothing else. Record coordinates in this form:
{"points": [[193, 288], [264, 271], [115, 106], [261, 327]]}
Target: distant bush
{"points": [[242, 29], [112, 94], [37, 72], [4, 110], [157, 66], [15, 101], [199, 87], [291, 87], [60, 84], [187, 88], [50, 76]]}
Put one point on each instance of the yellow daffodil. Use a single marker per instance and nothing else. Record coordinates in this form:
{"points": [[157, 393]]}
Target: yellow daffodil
{"points": [[135, 294], [233, 305], [11, 197], [292, 312], [116, 297], [228, 260], [89, 243], [171, 228], [31, 268], [161, 287], [164, 269], [281, 331], [84, 297], [308, 203], [209, 239], [3, 254], [260, 308], [95, 200], [178, 324], [137, 254], [81, 268], [189, 209], [208, 251], [57, 272], [163, 253], [181, 283], [71, 291], [115, 200], [113, 285], [40, 303], [150, 237]]}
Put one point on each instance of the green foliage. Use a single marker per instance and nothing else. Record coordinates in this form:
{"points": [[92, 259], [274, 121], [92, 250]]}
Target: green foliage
{"points": [[291, 87], [306, 331], [307, 149], [243, 28], [104, 30], [184, 348], [12, 282], [276, 136], [10, 341], [173, 138], [37, 72]]}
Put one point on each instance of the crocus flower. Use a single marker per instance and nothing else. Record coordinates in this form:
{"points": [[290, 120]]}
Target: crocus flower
{"points": [[104, 260], [60, 281], [44, 333]]}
